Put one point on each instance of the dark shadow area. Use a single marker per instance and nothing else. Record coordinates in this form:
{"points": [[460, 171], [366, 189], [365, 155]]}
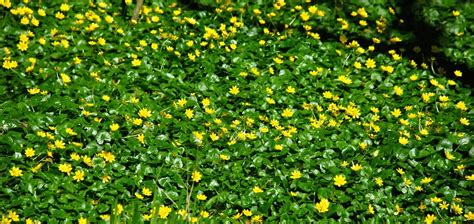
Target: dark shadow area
{"points": [[427, 36]]}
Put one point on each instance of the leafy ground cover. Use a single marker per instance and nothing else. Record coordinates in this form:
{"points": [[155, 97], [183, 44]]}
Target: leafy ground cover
{"points": [[455, 39], [233, 112]]}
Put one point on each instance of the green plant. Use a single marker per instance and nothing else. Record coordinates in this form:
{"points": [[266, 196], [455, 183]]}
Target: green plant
{"points": [[245, 112]]}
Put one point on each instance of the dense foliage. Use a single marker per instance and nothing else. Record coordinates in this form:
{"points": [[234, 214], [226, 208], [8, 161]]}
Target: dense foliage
{"points": [[456, 39], [228, 112]]}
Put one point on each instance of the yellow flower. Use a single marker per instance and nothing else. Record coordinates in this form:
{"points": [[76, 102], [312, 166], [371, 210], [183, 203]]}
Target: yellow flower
{"points": [[464, 121], [224, 157], [204, 214], [137, 121], [323, 205], [201, 197], [114, 127], [257, 219], [146, 191], [29, 152], [461, 106], [370, 63], [278, 147], [469, 216], [247, 212], [443, 98], [449, 155], [458, 73], [182, 212], [119, 209], [70, 131], [296, 174], [141, 138], [12, 215], [313, 9], [106, 98], [471, 177], [362, 12], [436, 199], [356, 167], [66, 79], [270, 100], [339, 180], [196, 176], [101, 41], [147, 217], [189, 113], [459, 168], [304, 16], [234, 90], [136, 62], [277, 60], [65, 168], [363, 145], [182, 102], [82, 220], [344, 79], [16, 172], [456, 13], [145, 113], [34, 91], [396, 112], [403, 140], [41, 12], [134, 100], [257, 189], [426, 180], [164, 211], [395, 57], [106, 179], [379, 181], [22, 46], [370, 209], [287, 112], [456, 208], [443, 205], [138, 195], [430, 218], [78, 176], [59, 144], [398, 90], [214, 136], [108, 156], [206, 102], [357, 65], [290, 89], [327, 95], [406, 181], [198, 136], [64, 7], [344, 164], [424, 131]]}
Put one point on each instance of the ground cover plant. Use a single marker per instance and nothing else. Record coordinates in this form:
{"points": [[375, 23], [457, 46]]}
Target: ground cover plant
{"points": [[234, 112], [456, 39]]}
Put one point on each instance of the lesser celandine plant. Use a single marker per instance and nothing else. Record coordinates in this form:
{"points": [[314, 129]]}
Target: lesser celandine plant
{"points": [[234, 112]]}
